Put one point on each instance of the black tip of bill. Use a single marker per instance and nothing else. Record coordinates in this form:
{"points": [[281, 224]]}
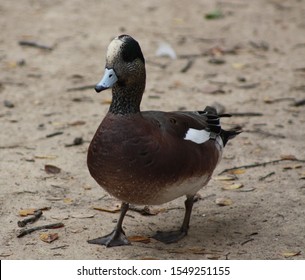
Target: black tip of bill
{"points": [[99, 88]]}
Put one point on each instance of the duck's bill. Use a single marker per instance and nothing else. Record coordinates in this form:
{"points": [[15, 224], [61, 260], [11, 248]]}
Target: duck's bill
{"points": [[108, 80]]}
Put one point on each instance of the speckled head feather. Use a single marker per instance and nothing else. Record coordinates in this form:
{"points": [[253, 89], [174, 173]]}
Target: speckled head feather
{"points": [[124, 47], [131, 49]]}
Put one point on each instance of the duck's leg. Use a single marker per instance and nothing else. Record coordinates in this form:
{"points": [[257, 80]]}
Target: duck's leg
{"points": [[174, 236], [117, 237]]}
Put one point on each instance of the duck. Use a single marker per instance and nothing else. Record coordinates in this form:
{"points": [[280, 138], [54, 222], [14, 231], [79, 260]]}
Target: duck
{"points": [[150, 157]]}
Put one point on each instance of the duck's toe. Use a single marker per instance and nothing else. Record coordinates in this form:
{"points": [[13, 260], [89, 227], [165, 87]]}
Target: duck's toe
{"points": [[115, 238], [168, 237]]}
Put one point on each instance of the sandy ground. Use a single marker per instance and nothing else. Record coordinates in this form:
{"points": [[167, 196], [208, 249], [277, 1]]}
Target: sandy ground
{"points": [[251, 60]]}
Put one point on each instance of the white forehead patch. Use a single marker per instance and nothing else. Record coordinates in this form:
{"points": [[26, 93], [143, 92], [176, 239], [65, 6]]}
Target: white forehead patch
{"points": [[197, 136], [113, 49]]}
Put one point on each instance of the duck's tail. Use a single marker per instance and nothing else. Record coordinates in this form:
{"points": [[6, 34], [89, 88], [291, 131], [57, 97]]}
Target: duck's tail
{"points": [[214, 125]]}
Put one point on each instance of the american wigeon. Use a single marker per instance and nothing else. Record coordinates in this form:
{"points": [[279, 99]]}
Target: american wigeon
{"points": [[150, 157]]}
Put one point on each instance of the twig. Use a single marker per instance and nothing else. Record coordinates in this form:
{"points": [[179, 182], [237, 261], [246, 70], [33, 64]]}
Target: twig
{"points": [[81, 88], [35, 45], [259, 164], [188, 65], [299, 103], [24, 232], [37, 215], [247, 114], [59, 247], [246, 241], [249, 86], [54, 134], [76, 142], [266, 176], [268, 134]]}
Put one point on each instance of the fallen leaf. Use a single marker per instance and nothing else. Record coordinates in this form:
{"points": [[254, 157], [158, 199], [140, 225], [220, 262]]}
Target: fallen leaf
{"points": [[291, 254], [213, 257], [26, 212], [60, 217], [146, 210], [109, 210], [77, 230], [247, 189], [194, 250], [233, 186], [77, 123], [288, 157], [87, 187], [229, 177], [216, 14], [165, 49], [68, 200], [45, 156], [287, 167], [238, 66], [52, 169], [237, 171], [48, 237], [83, 216], [223, 201], [137, 238]]}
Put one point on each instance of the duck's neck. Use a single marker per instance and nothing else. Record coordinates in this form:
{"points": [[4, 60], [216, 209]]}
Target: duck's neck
{"points": [[126, 100]]}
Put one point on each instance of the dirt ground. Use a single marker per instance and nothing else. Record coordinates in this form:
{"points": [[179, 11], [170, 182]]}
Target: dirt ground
{"points": [[247, 57]]}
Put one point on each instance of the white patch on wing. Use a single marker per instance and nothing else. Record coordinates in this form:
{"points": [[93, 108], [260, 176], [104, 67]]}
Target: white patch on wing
{"points": [[197, 136]]}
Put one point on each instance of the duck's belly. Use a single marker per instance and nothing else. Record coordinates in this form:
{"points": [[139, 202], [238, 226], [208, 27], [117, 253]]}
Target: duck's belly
{"points": [[149, 193]]}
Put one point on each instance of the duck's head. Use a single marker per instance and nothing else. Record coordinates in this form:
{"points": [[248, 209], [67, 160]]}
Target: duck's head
{"points": [[125, 64]]}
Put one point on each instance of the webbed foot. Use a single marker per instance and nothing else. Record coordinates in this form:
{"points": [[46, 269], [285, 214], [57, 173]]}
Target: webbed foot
{"points": [[168, 237], [115, 238]]}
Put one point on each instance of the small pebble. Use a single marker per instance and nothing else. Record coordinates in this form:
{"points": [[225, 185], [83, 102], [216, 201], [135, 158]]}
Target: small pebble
{"points": [[8, 104]]}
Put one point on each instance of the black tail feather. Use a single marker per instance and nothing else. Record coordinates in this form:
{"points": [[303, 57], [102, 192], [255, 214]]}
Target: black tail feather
{"points": [[227, 135], [214, 124]]}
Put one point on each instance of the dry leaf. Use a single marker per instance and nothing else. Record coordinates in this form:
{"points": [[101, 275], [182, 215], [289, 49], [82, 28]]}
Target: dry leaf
{"points": [[146, 210], [52, 169], [165, 49], [68, 200], [77, 123], [291, 254], [288, 157], [194, 250], [223, 201], [26, 212], [82, 216], [87, 187], [238, 66], [233, 186], [142, 239], [60, 217], [229, 177], [268, 100], [45, 156], [247, 189], [213, 257], [48, 237], [114, 210], [237, 171]]}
